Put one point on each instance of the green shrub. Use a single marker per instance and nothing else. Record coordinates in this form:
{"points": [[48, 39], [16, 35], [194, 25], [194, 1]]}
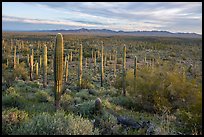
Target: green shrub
{"points": [[42, 96], [86, 109], [21, 72], [107, 124], [66, 100], [13, 100], [57, 124], [11, 118]]}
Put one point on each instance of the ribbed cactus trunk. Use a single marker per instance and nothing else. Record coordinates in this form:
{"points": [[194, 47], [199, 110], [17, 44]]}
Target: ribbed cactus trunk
{"points": [[18, 59], [7, 62], [95, 61], [31, 68], [71, 56], [45, 66], [135, 72], [102, 69], [86, 62], [32, 52], [14, 58], [58, 68], [92, 56], [115, 63], [67, 70], [28, 61], [105, 60], [40, 60], [36, 69], [124, 71], [80, 65]]}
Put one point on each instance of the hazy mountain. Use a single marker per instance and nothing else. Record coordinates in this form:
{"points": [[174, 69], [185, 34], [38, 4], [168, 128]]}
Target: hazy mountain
{"points": [[130, 33]]}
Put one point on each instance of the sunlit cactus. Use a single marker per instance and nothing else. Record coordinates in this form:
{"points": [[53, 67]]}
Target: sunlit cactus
{"points": [[124, 71], [102, 69], [31, 67], [36, 69], [58, 68], [67, 70], [17, 59], [80, 65], [14, 58], [115, 63], [71, 56], [45, 66], [95, 61], [28, 60]]}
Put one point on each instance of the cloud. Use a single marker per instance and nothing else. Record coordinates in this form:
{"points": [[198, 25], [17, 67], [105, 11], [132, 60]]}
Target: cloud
{"points": [[121, 15]]}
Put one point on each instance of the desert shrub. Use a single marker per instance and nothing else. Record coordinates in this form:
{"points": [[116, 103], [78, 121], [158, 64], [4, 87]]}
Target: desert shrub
{"points": [[126, 102], [86, 109], [84, 95], [160, 87], [8, 77], [11, 118], [12, 99], [86, 84], [107, 124], [56, 124], [66, 100], [20, 71], [42, 96]]}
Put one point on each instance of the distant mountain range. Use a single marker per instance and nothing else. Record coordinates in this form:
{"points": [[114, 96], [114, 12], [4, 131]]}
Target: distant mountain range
{"points": [[129, 33]]}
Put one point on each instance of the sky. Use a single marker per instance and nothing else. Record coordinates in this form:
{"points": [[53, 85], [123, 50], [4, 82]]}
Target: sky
{"points": [[126, 16]]}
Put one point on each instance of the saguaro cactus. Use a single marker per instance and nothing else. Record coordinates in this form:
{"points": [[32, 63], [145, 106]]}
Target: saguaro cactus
{"points": [[95, 61], [45, 66], [58, 68], [31, 67], [67, 70], [124, 70], [14, 58], [71, 56], [102, 70], [135, 67], [17, 59], [135, 71], [115, 63], [7, 62], [80, 65], [28, 60], [40, 60], [36, 69]]}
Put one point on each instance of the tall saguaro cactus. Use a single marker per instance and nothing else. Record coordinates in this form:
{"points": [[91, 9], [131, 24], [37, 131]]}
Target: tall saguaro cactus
{"points": [[135, 71], [80, 65], [31, 67], [124, 70], [95, 61], [45, 66], [58, 68], [67, 70], [102, 70], [14, 58], [71, 56], [135, 67], [115, 63], [36, 69]]}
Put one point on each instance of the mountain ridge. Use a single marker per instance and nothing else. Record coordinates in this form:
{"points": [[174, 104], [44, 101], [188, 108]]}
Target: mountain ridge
{"points": [[120, 32]]}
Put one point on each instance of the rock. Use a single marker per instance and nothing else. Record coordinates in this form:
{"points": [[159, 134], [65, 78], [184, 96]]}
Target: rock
{"points": [[98, 104], [67, 91], [92, 91], [128, 122]]}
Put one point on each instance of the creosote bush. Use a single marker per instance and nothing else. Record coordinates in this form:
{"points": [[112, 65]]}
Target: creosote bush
{"points": [[56, 124]]}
